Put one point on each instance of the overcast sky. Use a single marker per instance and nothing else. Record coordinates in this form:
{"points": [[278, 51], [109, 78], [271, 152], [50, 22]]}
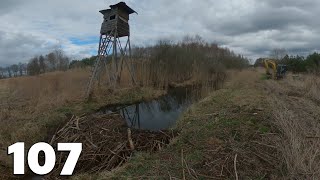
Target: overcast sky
{"points": [[250, 27]]}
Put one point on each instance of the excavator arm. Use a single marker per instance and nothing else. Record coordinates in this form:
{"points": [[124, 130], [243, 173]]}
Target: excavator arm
{"points": [[271, 64]]}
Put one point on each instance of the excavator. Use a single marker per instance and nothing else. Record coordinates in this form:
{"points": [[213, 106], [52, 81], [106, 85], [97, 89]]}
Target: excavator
{"points": [[278, 71]]}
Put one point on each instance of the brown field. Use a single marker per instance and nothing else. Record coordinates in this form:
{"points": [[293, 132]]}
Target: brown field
{"points": [[252, 128], [25, 99], [33, 107]]}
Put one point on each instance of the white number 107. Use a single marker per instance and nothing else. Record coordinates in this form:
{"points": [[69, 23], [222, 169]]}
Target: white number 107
{"points": [[18, 152]]}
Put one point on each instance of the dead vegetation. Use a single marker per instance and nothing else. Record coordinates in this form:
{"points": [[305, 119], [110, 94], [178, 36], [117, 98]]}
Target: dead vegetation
{"points": [[28, 98], [107, 142], [299, 143], [34, 94], [254, 129], [296, 115], [33, 107], [312, 87], [225, 136]]}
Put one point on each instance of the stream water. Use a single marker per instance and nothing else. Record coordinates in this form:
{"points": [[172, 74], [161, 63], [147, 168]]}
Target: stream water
{"points": [[158, 114]]}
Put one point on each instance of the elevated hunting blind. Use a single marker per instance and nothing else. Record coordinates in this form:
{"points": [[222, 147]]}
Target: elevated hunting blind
{"points": [[115, 25], [116, 18]]}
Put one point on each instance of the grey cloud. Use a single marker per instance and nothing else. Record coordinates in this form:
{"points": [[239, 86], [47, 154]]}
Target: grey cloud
{"points": [[250, 27], [263, 19], [16, 48], [9, 5], [292, 3]]}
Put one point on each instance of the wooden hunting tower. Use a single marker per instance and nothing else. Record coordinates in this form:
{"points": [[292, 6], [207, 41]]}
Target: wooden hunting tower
{"points": [[115, 25], [116, 18]]}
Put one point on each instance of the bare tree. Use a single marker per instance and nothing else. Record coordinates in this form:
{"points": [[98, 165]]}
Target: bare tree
{"points": [[196, 40], [15, 69], [20, 69], [57, 60], [33, 66], [42, 64], [2, 72], [9, 71], [278, 53], [61, 59], [52, 61]]}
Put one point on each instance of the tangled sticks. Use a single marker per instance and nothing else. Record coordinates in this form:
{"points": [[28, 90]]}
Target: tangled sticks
{"points": [[107, 142]]}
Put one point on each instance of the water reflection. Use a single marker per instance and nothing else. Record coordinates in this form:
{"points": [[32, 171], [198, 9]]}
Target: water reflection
{"points": [[161, 113]]}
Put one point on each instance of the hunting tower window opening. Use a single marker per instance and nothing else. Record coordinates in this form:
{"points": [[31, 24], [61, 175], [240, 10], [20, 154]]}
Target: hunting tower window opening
{"points": [[117, 17]]}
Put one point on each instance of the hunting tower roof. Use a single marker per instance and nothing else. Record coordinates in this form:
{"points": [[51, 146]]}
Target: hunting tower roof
{"points": [[105, 11], [123, 5], [120, 5]]}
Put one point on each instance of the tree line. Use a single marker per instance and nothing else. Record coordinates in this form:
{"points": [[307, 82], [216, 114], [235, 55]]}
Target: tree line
{"points": [[53, 61], [177, 58], [187, 51], [190, 57], [85, 62], [297, 63], [14, 70]]}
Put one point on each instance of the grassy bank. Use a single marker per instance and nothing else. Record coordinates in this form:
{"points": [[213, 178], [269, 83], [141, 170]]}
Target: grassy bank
{"points": [[253, 128], [225, 135]]}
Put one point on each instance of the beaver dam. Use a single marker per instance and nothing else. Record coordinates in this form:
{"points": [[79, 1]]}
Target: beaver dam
{"points": [[112, 135]]}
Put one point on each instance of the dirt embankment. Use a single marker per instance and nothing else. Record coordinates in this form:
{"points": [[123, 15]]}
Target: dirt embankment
{"points": [[226, 135], [251, 129]]}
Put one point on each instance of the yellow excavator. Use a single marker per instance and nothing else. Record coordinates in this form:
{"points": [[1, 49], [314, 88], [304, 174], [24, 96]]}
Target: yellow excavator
{"points": [[278, 71]]}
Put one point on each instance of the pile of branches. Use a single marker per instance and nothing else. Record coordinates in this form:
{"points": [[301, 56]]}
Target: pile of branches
{"points": [[107, 142]]}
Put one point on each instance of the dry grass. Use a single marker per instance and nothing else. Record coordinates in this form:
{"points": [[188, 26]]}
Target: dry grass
{"points": [[25, 100], [225, 130], [296, 114], [33, 107], [299, 142], [312, 85], [239, 79], [160, 75], [307, 85], [105, 142], [48, 90], [281, 141]]}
